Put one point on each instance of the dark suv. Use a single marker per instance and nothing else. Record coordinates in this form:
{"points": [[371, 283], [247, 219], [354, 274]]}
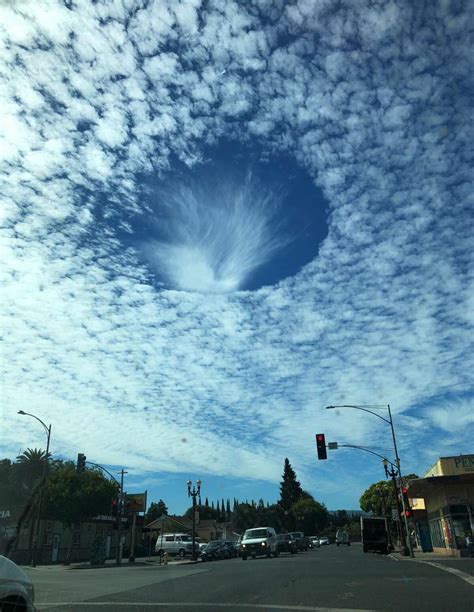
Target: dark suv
{"points": [[285, 543], [301, 541]]}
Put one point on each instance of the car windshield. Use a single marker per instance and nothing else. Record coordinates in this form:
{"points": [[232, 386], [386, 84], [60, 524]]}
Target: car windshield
{"points": [[218, 220], [255, 533]]}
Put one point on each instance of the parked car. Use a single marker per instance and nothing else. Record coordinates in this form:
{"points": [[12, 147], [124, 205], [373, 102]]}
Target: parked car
{"points": [[215, 551], [257, 542], [324, 541], [300, 539], [232, 547], [285, 543], [174, 544], [16, 589], [342, 537], [314, 541]]}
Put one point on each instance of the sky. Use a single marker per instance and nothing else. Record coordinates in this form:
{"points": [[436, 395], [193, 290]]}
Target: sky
{"points": [[219, 218]]}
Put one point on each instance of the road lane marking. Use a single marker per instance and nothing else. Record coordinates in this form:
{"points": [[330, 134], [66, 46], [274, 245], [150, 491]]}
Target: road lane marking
{"points": [[186, 604], [452, 570]]}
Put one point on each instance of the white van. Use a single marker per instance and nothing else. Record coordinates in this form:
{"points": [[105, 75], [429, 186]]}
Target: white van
{"points": [[342, 537], [259, 541], [180, 544]]}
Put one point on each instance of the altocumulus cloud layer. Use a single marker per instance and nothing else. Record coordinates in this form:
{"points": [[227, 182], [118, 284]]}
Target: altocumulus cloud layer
{"points": [[371, 98]]}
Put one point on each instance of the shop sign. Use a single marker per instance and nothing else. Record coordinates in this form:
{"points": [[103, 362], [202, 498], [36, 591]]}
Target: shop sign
{"points": [[5, 514], [464, 463], [455, 499], [135, 502]]}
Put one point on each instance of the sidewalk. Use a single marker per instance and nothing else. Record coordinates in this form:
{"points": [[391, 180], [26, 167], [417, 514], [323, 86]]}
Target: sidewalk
{"points": [[429, 556], [110, 563]]}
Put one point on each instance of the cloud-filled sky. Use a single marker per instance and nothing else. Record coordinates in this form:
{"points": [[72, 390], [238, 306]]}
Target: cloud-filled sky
{"points": [[220, 217]]}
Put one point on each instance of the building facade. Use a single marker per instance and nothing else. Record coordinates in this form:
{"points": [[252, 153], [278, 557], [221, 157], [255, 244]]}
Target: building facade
{"points": [[443, 506]]}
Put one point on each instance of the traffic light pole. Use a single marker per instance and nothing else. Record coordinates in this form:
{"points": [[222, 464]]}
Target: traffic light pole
{"points": [[397, 459]]}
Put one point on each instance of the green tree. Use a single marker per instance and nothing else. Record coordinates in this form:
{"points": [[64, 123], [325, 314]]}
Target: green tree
{"points": [[27, 471], [245, 517], [32, 456], [205, 513], [290, 488], [310, 516], [380, 498], [155, 511], [74, 498]]}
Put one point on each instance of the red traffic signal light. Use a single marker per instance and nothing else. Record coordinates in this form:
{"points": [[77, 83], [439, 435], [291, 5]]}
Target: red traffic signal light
{"points": [[321, 446], [407, 513]]}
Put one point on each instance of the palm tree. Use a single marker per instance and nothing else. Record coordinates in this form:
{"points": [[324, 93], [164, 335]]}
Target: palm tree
{"points": [[29, 470], [32, 456]]}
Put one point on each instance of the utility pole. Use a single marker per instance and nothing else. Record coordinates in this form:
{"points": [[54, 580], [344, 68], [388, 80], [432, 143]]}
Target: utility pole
{"points": [[194, 493], [118, 558]]}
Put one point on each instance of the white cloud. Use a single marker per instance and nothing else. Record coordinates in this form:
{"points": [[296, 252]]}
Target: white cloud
{"points": [[96, 96]]}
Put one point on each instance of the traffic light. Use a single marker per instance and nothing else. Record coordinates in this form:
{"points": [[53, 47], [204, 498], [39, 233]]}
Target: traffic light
{"points": [[81, 463], [321, 446], [406, 501], [114, 507]]}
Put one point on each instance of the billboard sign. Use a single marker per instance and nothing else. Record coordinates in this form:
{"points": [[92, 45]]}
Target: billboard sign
{"points": [[135, 502]]}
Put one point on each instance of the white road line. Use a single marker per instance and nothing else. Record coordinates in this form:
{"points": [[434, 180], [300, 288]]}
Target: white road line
{"points": [[174, 604], [452, 570], [393, 557]]}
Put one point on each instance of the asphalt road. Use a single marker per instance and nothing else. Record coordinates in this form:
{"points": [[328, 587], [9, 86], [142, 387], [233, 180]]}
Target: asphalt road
{"points": [[327, 579]]}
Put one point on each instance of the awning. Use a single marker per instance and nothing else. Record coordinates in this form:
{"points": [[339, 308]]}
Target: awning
{"points": [[420, 487]]}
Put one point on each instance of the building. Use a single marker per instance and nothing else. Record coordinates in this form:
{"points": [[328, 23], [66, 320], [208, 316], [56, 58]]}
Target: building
{"points": [[442, 502], [55, 540], [206, 529]]}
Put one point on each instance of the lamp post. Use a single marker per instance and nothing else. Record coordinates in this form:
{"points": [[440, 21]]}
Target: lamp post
{"points": [[194, 492], [392, 473], [43, 479], [397, 458]]}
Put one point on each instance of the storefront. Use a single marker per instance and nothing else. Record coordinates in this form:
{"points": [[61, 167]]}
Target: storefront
{"points": [[447, 490]]}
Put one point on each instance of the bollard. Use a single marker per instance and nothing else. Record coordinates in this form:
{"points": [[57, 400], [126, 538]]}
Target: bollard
{"points": [[165, 558]]}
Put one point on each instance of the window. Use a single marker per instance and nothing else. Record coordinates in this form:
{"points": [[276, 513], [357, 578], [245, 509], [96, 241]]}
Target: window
{"points": [[437, 534], [76, 538], [169, 538]]}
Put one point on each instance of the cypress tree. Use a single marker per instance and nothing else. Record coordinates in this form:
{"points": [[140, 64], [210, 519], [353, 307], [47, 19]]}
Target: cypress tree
{"points": [[290, 488]]}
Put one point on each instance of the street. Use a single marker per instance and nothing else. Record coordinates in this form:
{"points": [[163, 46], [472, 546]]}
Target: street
{"points": [[328, 578]]}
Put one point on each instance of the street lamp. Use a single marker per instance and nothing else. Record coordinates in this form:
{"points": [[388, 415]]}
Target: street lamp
{"points": [[43, 479], [397, 458], [194, 492]]}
